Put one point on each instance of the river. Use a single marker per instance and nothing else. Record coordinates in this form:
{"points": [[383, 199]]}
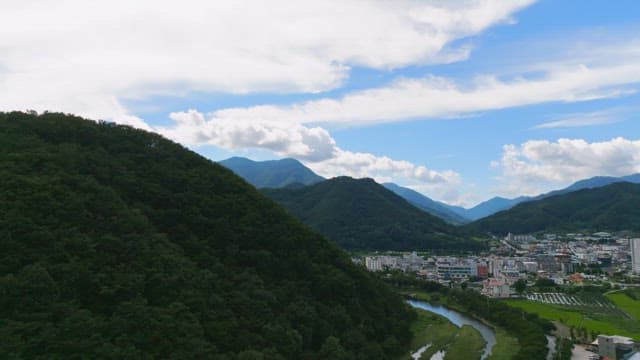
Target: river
{"points": [[459, 320]]}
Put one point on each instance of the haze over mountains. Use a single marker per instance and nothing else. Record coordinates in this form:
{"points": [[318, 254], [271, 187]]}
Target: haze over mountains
{"points": [[281, 173], [272, 173]]}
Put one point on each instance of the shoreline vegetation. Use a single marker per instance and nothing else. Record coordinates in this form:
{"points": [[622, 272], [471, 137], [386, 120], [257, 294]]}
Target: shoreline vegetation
{"points": [[506, 346], [513, 326]]}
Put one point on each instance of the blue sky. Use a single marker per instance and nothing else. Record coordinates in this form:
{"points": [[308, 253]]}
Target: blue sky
{"points": [[461, 100]]}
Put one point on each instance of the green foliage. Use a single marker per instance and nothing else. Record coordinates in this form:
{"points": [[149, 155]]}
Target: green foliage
{"points": [[117, 243], [528, 329], [609, 208], [363, 215], [520, 286], [545, 283]]}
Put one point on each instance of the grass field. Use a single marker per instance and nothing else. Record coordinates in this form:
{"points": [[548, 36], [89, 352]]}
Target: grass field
{"points": [[506, 346], [627, 304], [609, 320], [467, 344], [432, 329]]}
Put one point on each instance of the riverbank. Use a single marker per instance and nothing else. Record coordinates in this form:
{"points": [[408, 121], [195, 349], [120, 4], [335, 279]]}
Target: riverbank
{"points": [[506, 346], [442, 335]]}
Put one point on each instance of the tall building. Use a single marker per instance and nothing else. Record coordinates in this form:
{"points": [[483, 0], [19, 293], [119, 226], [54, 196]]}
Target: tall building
{"points": [[634, 244]]}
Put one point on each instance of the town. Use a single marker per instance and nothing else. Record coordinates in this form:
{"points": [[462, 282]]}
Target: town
{"points": [[542, 270], [600, 258]]}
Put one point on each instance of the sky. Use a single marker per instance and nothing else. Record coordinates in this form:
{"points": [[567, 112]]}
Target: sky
{"points": [[459, 100]]}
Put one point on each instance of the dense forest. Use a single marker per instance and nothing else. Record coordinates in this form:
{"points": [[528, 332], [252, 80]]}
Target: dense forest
{"points": [[609, 208], [359, 214], [119, 244]]}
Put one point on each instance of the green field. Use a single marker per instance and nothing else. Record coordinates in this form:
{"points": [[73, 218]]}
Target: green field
{"points": [[506, 346], [595, 319], [467, 344], [432, 329], [626, 303]]}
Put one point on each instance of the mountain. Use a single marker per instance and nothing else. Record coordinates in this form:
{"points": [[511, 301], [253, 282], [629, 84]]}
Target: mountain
{"points": [[363, 215], [433, 207], [119, 244], [591, 183], [608, 208], [492, 206], [272, 173], [498, 204]]}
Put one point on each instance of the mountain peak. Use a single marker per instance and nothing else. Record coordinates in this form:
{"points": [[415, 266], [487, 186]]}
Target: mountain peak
{"points": [[272, 173]]}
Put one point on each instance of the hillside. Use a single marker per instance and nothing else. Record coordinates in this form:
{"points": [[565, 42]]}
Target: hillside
{"points": [[363, 215], [433, 207], [119, 244], [609, 208], [498, 204], [272, 173]]}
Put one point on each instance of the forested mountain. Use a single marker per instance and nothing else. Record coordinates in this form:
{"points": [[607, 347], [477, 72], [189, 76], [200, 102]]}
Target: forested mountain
{"points": [[119, 244], [433, 207], [272, 173], [610, 208], [498, 204], [594, 182], [361, 214]]}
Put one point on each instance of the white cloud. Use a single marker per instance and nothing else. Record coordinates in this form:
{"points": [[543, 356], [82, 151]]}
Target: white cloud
{"points": [[527, 168], [294, 140], [582, 119], [82, 57], [312, 145], [433, 97]]}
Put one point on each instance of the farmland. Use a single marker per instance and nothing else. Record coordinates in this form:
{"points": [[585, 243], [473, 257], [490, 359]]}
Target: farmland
{"points": [[593, 312]]}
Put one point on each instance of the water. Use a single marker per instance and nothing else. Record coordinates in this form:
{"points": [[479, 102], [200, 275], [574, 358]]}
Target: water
{"points": [[418, 354], [459, 320], [551, 345]]}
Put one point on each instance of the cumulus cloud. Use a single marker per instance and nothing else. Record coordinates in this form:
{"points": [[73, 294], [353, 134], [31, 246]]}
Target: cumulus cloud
{"points": [[312, 145], [535, 162], [83, 57]]}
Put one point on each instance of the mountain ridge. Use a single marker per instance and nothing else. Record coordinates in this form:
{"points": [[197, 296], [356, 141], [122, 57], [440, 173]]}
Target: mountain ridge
{"points": [[272, 173], [611, 207], [360, 214]]}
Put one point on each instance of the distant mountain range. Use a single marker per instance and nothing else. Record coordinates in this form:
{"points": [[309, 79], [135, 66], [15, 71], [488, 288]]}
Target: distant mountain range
{"points": [[612, 207], [363, 215], [444, 211], [498, 204], [272, 173], [292, 173]]}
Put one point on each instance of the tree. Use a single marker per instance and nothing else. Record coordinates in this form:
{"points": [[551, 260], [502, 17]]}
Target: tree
{"points": [[520, 286]]}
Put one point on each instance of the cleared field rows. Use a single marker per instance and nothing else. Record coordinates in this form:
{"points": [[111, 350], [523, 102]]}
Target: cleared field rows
{"points": [[570, 300]]}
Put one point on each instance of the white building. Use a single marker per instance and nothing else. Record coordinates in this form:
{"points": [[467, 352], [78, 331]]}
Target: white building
{"points": [[614, 347], [634, 245]]}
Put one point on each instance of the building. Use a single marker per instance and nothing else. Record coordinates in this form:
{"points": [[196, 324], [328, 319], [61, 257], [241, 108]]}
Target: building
{"points": [[483, 270], [373, 263], [496, 288], [634, 245], [614, 347]]}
